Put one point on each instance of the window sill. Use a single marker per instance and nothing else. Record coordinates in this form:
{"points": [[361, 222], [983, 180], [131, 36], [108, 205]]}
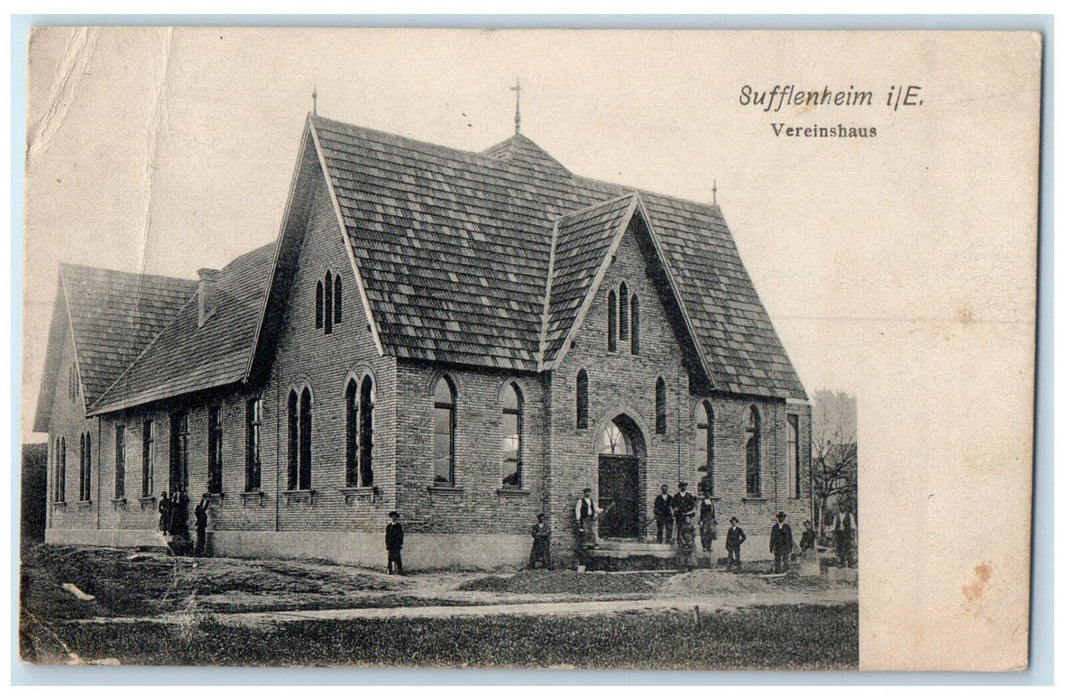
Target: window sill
{"points": [[446, 489], [514, 492], [751, 498], [249, 496], [216, 499], [353, 494], [147, 502], [84, 505], [300, 496], [59, 505], [118, 503]]}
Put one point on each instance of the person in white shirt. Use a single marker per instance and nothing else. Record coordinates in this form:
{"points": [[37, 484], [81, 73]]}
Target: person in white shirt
{"points": [[585, 513]]}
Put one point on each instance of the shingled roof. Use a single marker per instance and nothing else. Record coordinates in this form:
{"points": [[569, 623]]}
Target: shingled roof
{"points": [[453, 249], [186, 357], [113, 316], [482, 259]]}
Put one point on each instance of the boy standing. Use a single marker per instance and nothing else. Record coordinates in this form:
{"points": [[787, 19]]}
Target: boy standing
{"points": [[394, 544], [733, 540], [541, 549]]}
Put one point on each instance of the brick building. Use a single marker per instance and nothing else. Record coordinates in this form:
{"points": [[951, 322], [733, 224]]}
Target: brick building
{"points": [[468, 338]]}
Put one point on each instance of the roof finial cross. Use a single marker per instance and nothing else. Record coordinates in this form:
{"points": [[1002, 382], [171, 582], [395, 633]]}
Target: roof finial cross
{"points": [[714, 190], [314, 98], [517, 106]]}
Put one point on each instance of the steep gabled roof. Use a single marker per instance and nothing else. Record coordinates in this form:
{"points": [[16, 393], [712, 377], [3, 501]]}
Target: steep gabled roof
{"points": [[454, 250], [483, 259], [185, 357], [113, 316], [582, 241]]}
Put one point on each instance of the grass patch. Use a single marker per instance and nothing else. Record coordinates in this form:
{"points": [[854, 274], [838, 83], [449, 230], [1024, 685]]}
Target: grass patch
{"points": [[562, 581], [771, 637]]}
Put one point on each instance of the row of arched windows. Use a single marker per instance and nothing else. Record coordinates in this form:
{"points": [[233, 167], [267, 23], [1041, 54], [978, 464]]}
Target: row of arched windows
{"points": [[328, 302], [359, 428], [623, 319]]}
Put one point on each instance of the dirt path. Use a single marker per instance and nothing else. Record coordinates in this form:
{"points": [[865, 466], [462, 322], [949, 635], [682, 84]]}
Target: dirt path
{"points": [[706, 604]]}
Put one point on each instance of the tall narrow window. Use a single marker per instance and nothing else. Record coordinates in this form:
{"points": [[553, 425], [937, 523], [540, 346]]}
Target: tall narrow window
{"points": [[443, 432], [179, 451], [623, 312], [582, 399], [794, 474], [120, 461], [351, 433], [57, 474], [612, 322], [660, 406], [214, 449], [512, 419], [319, 306], [253, 461], [293, 441], [83, 486], [328, 302], [305, 440], [754, 452], [86, 482], [634, 322], [61, 495], [148, 459], [338, 301], [703, 448], [367, 394]]}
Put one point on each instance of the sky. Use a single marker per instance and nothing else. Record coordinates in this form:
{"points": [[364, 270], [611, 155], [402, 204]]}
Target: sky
{"points": [[166, 150]]}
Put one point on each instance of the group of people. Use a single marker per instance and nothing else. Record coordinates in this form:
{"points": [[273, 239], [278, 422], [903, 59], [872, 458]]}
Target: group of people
{"points": [[174, 519]]}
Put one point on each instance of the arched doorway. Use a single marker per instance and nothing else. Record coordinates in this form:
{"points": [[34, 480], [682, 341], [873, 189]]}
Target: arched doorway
{"points": [[620, 448]]}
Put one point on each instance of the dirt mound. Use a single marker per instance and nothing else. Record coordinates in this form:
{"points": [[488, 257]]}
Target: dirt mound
{"points": [[563, 582]]}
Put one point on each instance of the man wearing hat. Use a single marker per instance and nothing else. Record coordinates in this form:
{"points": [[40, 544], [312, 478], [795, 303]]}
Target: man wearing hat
{"points": [[781, 543], [733, 539], [394, 544], [683, 505], [664, 515], [585, 513]]}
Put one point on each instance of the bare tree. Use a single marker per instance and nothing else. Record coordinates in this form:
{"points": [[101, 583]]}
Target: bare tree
{"points": [[835, 452]]}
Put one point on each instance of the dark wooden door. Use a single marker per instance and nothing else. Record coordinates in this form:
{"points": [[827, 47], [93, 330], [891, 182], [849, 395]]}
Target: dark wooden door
{"points": [[618, 495]]}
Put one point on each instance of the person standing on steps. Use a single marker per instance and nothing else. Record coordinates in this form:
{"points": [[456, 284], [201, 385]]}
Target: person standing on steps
{"points": [[664, 515], [781, 543]]}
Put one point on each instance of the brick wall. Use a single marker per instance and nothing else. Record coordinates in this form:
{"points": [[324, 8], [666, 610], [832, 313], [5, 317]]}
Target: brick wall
{"points": [[478, 502]]}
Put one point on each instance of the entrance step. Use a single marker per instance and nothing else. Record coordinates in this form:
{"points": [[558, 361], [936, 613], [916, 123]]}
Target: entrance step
{"points": [[627, 555]]}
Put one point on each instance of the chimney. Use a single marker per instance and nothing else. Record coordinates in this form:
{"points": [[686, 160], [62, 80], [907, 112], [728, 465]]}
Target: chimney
{"points": [[207, 293]]}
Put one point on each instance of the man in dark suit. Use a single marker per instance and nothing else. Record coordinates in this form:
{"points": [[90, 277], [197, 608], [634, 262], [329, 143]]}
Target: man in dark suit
{"points": [[683, 505], [664, 515], [733, 539], [394, 544], [201, 526], [781, 543]]}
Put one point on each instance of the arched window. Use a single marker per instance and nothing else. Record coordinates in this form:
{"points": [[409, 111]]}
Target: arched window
{"points": [[179, 451], [293, 440], [443, 432], [351, 433], [319, 306], [81, 468], [214, 449], [611, 441], [612, 322], [328, 302], [338, 301], [660, 406], [305, 440], [253, 463], [623, 312], [582, 399], [86, 467], [148, 458], [367, 395], [703, 447], [512, 420], [634, 322], [754, 452]]}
